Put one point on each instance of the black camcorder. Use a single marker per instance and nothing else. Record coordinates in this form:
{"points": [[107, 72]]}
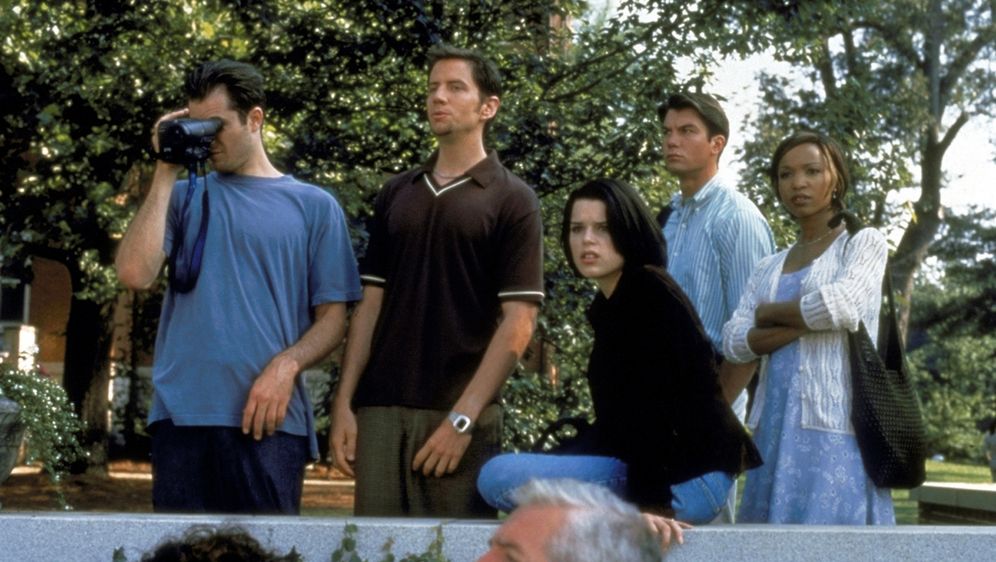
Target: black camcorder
{"points": [[187, 141]]}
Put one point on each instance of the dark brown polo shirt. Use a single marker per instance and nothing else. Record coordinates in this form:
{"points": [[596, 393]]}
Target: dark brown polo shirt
{"points": [[446, 256]]}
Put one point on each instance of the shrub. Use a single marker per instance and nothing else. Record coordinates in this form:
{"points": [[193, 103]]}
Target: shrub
{"points": [[52, 426]]}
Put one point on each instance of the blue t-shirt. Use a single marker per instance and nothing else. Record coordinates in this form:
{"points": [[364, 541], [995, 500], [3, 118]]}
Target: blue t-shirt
{"points": [[275, 248]]}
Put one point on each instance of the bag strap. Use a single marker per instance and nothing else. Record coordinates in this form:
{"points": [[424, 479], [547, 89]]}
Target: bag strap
{"points": [[662, 217], [890, 345], [664, 214]]}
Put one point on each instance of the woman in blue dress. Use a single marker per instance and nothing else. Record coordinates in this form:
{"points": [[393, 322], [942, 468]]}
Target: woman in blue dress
{"points": [[794, 314]]}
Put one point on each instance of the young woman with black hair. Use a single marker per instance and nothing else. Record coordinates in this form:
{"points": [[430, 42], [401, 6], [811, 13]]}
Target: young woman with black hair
{"points": [[663, 437]]}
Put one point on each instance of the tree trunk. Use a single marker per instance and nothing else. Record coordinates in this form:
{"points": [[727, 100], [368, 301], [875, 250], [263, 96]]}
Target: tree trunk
{"points": [[86, 374], [926, 222], [920, 234], [86, 369]]}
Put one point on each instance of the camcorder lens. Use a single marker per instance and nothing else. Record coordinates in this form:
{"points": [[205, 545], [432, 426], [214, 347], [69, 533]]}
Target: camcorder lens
{"points": [[200, 127], [187, 141]]}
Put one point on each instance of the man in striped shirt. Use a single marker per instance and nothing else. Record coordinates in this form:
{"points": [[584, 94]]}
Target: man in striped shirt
{"points": [[714, 234]]}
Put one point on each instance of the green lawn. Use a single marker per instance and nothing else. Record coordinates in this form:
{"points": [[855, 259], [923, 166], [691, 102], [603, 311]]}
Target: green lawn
{"points": [[937, 472]]}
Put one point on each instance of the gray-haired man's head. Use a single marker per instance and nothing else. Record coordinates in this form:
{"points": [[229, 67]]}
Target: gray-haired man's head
{"points": [[571, 521]]}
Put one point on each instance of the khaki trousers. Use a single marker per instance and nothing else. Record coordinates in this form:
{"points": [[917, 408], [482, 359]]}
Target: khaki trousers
{"points": [[388, 439]]}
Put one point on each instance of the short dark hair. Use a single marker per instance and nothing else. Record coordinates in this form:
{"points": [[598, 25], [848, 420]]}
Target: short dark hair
{"points": [[832, 153], [485, 73], [202, 543], [635, 234], [705, 105], [242, 81]]}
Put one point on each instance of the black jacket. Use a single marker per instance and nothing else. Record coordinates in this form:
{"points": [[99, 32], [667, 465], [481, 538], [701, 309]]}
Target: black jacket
{"points": [[654, 384]]}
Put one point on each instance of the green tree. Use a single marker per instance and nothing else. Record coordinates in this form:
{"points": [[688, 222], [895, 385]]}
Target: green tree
{"points": [[83, 80], [81, 83], [580, 103], [956, 379], [951, 334], [962, 298], [895, 82]]}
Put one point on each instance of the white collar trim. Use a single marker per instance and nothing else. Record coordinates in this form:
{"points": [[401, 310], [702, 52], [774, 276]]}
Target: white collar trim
{"points": [[437, 191]]}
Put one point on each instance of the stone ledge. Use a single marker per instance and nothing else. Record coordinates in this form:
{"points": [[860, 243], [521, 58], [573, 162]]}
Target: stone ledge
{"points": [[30, 537], [956, 503], [970, 496]]}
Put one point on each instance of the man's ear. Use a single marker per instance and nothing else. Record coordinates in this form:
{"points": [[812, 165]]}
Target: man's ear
{"points": [[490, 107], [255, 119], [717, 142]]}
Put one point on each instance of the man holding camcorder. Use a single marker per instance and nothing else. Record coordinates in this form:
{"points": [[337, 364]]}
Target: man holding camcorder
{"points": [[260, 271]]}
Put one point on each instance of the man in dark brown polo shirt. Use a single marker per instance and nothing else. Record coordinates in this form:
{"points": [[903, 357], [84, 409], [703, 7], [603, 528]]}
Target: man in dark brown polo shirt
{"points": [[453, 279]]}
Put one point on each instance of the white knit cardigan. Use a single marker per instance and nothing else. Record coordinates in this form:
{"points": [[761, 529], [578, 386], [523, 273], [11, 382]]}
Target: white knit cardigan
{"points": [[841, 289]]}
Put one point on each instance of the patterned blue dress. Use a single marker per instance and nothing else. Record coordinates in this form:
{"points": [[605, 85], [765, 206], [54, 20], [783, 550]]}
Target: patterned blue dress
{"points": [[808, 476]]}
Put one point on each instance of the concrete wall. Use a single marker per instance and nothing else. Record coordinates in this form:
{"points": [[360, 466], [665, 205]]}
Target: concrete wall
{"points": [[26, 537]]}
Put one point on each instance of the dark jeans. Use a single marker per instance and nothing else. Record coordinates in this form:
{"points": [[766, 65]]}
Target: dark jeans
{"points": [[197, 469]]}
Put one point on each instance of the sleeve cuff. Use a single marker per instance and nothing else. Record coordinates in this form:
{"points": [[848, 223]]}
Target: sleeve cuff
{"points": [[372, 280], [736, 349], [530, 296], [815, 313]]}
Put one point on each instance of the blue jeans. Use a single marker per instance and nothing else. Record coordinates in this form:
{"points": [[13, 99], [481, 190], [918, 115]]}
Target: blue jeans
{"points": [[698, 500]]}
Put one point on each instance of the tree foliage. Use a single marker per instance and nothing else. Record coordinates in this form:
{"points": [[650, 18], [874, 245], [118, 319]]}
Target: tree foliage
{"points": [[962, 299], [956, 380], [52, 428], [895, 82], [82, 81], [952, 342]]}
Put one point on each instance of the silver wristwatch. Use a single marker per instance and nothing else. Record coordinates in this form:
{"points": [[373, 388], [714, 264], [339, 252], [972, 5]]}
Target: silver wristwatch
{"points": [[461, 423]]}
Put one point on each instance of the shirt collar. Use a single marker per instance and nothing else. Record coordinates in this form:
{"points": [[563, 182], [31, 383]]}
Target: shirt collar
{"points": [[484, 173], [701, 197]]}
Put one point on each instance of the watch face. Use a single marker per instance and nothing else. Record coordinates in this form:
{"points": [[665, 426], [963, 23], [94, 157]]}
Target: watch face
{"points": [[460, 422]]}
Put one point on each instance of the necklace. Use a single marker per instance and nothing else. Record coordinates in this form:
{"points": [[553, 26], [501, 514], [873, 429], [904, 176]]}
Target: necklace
{"points": [[802, 244]]}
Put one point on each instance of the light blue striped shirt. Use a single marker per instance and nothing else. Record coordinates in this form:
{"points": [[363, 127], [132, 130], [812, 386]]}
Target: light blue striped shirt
{"points": [[714, 240]]}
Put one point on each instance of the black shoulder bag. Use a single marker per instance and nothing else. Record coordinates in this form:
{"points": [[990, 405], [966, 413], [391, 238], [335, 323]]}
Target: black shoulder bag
{"points": [[885, 410]]}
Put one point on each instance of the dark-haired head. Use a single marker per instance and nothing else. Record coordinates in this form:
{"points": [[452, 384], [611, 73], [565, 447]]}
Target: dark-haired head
{"points": [[706, 106], [485, 73], [202, 543], [242, 82], [635, 233], [833, 156]]}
